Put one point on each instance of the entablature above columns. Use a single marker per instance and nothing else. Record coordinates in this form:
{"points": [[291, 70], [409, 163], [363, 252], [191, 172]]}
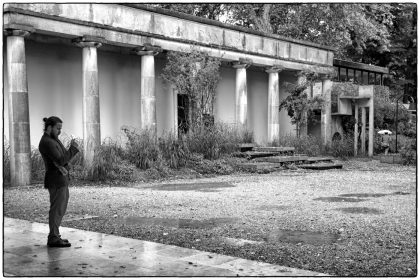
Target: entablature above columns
{"points": [[274, 69], [18, 30], [242, 63], [68, 24], [89, 41], [147, 49]]}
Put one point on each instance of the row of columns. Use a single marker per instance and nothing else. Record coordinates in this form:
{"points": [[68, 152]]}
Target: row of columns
{"points": [[363, 124], [19, 105]]}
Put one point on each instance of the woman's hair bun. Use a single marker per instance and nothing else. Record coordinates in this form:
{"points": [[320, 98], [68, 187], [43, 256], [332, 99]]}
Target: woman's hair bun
{"points": [[45, 119]]}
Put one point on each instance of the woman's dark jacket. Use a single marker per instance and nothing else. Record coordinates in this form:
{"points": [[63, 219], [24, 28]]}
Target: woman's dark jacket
{"points": [[54, 154]]}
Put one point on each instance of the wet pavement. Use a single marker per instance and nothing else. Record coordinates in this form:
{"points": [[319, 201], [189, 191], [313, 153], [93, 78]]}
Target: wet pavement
{"points": [[177, 223], [96, 254], [305, 237], [360, 210], [200, 187]]}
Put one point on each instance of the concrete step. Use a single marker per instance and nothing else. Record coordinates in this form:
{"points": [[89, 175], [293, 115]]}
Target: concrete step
{"points": [[243, 147], [282, 159], [260, 167], [251, 155], [321, 166], [274, 149], [319, 159]]}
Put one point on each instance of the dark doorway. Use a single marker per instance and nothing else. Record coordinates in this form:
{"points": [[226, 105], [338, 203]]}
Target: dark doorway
{"points": [[183, 111], [314, 123]]}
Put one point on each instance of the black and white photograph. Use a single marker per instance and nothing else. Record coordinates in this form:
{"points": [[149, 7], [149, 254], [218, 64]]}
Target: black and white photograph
{"points": [[209, 139]]}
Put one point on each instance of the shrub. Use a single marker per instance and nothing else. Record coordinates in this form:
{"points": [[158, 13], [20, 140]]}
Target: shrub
{"points": [[108, 164], [343, 148], [409, 152], [37, 166], [305, 144], [217, 140], [205, 166], [174, 151], [6, 161], [142, 148]]}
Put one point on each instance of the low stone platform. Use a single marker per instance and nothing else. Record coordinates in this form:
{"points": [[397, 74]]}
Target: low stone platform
{"points": [[319, 159], [260, 167], [254, 154], [244, 147], [283, 159], [94, 254], [275, 149], [321, 166]]}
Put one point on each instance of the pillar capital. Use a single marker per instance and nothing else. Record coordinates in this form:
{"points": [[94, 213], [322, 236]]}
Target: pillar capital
{"points": [[88, 41], [274, 69], [147, 49], [242, 63], [21, 30]]}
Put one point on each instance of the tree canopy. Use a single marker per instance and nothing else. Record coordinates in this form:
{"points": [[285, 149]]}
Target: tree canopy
{"points": [[382, 34]]}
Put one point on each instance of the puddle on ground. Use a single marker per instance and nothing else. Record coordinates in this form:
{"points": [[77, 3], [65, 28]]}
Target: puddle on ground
{"points": [[339, 199], [304, 237], [360, 210], [400, 193], [177, 223], [201, 187], [273, 207], [363, 194]]}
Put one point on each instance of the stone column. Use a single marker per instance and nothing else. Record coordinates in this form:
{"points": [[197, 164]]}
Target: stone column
{"points": [[303, 129], [147, 86], [91, 110], [371, 128], [326, 118], [19, 132], [356, 128], [363, 134], [273, 120], [241, 95]]}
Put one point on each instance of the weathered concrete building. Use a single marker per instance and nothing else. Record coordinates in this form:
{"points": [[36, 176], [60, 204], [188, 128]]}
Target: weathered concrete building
{"points": [[97, 66]]}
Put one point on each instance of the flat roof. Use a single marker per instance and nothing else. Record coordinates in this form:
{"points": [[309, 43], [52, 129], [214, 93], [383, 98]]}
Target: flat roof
{"points": [[360, 66], [224, 25]]}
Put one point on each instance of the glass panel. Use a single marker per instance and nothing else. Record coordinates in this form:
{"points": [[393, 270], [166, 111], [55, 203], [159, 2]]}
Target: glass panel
{"points": [[365, 78], [334, 103], [358, 78], [378, 79], [336, 74], [343, 74], [351, 75], [371, 78]]}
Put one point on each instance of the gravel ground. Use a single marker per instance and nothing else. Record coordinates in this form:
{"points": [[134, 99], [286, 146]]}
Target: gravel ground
{"points": [[364, 215]]}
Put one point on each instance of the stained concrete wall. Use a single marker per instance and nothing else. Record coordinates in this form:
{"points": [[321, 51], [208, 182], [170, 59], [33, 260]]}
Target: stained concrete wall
{"points": [[55, 88], [286, 127], [224, 107], [258, 104]]}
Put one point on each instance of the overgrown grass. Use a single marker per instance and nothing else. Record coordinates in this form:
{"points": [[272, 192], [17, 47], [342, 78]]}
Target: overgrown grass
{"points": [[343, 148], [6, 161], [305, 144], [143, 155]]}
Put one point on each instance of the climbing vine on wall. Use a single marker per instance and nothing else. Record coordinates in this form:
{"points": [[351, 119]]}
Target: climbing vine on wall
{"points": [[298, 104], [196, 75]]}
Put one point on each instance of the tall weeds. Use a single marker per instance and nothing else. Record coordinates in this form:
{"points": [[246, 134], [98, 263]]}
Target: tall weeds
{"points": [[305, 144], [202, 150]]}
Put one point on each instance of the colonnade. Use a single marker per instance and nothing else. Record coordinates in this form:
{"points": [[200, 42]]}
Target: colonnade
{"points": [[19, 104], [363, 106]]}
